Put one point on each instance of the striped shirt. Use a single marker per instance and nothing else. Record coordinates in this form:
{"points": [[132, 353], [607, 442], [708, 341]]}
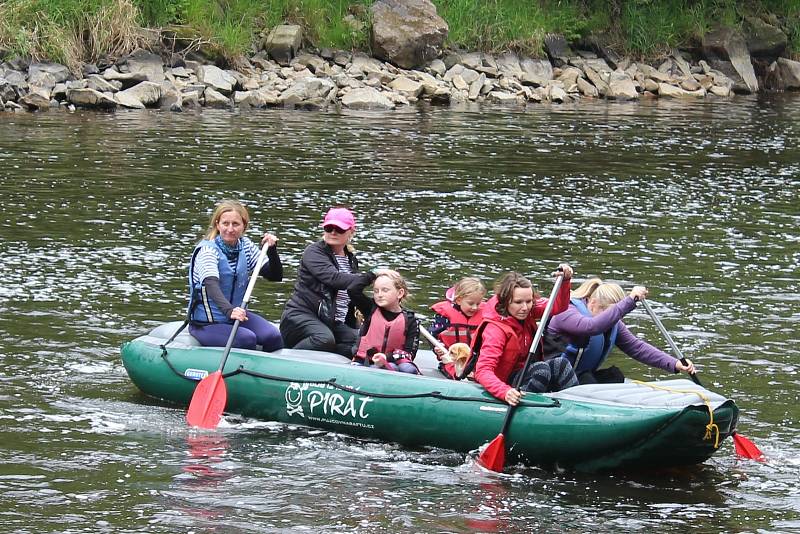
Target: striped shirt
{"points": [[342, 298], [207, 261]]}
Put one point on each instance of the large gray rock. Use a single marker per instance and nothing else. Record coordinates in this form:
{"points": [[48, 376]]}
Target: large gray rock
{"points": [[42, 79], [437, 67], [37, 99], [145, 93], [283, 42], [784, 74], [500, 97], [726, 50], [406, 86], [310, 61], [569, 76], [308, 89], [536, 72], [98, 83], [367, 98], [508, 65], [171, 98], [127, 100], [653, 74], [260, 98], [16, 80], [671, 91], [216, 78], [556, 93], [147, 65], [586, 88], [621, 87], [365, 64], [128, 79], [600, 81], [215, 99], [59, 72], [7, 91], [764, 40], [89, 98], [408, 33]]}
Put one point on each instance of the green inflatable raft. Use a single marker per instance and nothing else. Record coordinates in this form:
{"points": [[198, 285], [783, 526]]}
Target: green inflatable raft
{"points": [[633, 425]]}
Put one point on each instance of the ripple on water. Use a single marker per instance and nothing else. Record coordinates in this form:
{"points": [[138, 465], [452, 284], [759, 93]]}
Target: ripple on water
{"points": [[697, 201]]}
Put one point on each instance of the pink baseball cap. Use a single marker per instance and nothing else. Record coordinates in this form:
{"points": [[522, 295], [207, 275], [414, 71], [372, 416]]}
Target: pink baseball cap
{"points": [[341, 218]]}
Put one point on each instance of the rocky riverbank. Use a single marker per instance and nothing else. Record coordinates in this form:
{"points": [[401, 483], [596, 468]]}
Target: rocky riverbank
{"points": [[410, 65]]}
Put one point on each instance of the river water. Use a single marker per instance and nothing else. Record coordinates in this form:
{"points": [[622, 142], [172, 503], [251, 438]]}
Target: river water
{"points": [[99, 213]]}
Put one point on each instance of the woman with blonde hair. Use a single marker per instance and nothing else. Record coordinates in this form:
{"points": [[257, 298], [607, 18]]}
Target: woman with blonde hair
{"points": [[219, 271], [592, 325]]}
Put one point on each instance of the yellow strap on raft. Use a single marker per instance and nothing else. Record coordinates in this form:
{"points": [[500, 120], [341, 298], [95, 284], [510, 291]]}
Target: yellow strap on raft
{"points": [[711, 426]]}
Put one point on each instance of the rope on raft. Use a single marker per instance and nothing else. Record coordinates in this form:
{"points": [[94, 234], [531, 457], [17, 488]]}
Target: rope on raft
{"points": [[332, 382], [711, 426]]}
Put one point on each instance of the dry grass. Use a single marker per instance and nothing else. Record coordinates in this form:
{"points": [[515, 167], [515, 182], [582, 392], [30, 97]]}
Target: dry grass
{"points": [[54, 32]]}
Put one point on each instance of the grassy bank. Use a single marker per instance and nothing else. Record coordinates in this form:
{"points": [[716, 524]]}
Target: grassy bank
{"points": [[70, 31]]}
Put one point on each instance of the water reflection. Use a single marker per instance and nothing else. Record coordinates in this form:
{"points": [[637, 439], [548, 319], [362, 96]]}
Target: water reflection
{"points": [[205, 452]]}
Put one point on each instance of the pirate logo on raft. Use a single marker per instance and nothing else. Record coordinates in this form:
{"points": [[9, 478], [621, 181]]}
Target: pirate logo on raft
{"points": [[321, 402]]}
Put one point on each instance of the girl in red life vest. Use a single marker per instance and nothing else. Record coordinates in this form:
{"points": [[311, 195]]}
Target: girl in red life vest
{"points": [[390, 333], [506, 337], [457, 318]]}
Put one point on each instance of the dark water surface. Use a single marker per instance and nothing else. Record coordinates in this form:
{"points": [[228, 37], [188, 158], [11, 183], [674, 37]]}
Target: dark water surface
{"points": [[700, 202]]}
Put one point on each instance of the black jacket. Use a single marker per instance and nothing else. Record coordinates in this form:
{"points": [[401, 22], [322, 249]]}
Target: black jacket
{"points": [[318, 282]]}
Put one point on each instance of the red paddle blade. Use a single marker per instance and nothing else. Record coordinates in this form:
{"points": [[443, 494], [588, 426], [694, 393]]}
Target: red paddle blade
{"points": [[493, 456], [747, 449], [208, 402]]}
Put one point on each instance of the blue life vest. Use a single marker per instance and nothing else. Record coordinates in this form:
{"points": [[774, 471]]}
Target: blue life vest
{"points": [[590, 357], [202, 309]]}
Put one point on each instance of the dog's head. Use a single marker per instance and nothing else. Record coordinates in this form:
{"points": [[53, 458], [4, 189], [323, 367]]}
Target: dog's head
{"points": [[459, 354]]}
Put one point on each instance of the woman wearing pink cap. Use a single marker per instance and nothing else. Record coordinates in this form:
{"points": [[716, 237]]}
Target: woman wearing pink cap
{"points": [[319, 314]]}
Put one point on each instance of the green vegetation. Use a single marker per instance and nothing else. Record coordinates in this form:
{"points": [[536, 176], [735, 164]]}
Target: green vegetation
{"points": [[67, 31], [71, 31]]}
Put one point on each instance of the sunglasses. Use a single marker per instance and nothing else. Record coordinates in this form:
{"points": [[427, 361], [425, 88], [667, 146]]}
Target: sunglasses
{"points": [[331, 229]]}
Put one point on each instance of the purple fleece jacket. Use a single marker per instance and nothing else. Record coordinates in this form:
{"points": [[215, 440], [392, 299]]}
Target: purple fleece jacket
{"points": [[577, 328]]}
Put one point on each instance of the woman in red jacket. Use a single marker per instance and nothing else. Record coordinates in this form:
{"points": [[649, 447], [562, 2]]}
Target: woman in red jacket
{"points": [[506, 336]]}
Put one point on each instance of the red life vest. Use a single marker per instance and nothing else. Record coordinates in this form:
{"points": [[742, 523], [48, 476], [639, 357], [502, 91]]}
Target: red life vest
{"points": [[383, 336], [511, 349], [461, 327]]}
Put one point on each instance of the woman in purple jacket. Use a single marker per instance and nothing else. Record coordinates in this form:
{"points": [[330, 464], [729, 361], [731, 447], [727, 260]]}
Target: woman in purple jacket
{"points": [[592, 325]]}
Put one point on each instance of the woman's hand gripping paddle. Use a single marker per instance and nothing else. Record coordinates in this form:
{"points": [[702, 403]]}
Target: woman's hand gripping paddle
{"points": [[210, 395], [744, 447], [494, 455]]}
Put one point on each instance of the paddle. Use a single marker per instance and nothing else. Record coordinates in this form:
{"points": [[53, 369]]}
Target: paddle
{"points": [[433, 341], [210, 395], [494, 455], [744, 447]]}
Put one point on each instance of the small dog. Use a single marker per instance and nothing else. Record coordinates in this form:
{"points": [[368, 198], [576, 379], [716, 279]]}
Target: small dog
{"points": [[458, 355]]}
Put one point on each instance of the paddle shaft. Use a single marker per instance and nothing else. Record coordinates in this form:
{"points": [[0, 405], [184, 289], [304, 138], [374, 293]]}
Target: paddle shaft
{"points": [[668, 337], [245, 300], [536, 339], [427, 335]]}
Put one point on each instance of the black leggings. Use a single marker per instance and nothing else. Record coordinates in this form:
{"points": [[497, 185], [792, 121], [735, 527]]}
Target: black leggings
{"points": [[550, 375], [306, 331]]}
